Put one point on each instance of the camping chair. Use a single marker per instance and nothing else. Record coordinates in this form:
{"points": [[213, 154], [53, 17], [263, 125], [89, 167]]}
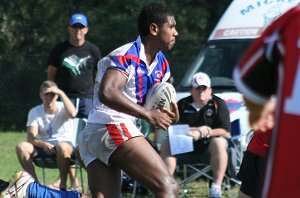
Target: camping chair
{"points": [[195, 166], [51, 162]]}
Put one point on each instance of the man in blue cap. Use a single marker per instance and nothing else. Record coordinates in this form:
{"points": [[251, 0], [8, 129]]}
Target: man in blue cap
{"points": [[72, 64]]}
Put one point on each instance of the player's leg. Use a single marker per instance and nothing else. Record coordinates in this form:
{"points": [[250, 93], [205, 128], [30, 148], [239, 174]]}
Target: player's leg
{"points": [[142, 163], [104, 181]]}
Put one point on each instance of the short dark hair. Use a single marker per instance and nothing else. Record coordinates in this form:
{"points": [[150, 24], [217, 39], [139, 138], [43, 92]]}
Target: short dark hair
{"points": [[153, 13]]}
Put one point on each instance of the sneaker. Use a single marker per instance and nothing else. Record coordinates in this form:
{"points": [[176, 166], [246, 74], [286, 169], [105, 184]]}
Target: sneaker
{"points": [[18, 185], [215, 191]]}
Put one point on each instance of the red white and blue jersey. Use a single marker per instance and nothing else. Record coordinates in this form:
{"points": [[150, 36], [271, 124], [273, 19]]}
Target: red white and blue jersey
{"points": [[272, 67], [130, 59]]}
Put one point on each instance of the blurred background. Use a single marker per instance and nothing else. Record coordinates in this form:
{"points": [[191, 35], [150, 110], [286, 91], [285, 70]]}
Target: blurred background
{"points": [[29, 30]]}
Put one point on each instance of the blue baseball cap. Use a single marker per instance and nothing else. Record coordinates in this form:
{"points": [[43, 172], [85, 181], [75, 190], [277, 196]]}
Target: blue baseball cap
{"points": [[78, 18]]}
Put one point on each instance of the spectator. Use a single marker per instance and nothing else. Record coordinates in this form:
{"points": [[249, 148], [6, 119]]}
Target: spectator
{"points": [[72, 64], [111, 141], [271, 67], [48, 131], [209, 121]]}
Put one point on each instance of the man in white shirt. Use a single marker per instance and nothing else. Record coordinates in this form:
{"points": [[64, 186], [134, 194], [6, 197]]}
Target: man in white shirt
{"points": [[49, 131]]}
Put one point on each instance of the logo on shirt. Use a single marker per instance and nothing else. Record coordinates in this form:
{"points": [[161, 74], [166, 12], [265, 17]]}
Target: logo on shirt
{"points": [[209, 112], [75, 64], [140, 71], [158, 74]]}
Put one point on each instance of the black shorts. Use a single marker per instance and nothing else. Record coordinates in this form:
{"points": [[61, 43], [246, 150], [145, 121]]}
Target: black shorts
{"points": [[42, 154], [199, 155], [251, 174]]}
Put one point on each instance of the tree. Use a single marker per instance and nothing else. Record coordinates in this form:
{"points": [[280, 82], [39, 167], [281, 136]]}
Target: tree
{"points": [[29, 29]]}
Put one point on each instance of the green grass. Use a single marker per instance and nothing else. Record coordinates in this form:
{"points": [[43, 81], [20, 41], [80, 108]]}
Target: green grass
{"points": [[9, 164]]}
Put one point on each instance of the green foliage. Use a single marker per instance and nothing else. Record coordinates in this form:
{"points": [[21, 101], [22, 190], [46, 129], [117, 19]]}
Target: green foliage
{"points": [[29, 30]]}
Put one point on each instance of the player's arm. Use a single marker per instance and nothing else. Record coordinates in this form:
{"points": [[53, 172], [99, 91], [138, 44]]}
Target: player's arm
{"points": [[261, 116], [111, 95], [51, 73]]}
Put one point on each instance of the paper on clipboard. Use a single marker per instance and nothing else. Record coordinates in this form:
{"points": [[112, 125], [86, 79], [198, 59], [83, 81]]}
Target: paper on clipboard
{"points": [[180, 142]]}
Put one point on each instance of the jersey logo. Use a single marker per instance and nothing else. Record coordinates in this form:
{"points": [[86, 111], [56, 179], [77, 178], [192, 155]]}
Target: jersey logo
{"points": [[158, 74], [140, 71]]}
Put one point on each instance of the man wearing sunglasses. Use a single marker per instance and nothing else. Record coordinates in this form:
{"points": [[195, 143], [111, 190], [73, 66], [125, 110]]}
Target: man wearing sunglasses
{"points": [[72, 64], [208, 118]]}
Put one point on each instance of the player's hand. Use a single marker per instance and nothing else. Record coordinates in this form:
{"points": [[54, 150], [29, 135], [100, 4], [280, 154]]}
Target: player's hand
{"points": [[160, 118], [175, 110]]}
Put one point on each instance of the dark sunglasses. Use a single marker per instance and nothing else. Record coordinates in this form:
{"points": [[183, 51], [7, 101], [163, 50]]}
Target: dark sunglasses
{"points": [[202, 87], [78, 25]]}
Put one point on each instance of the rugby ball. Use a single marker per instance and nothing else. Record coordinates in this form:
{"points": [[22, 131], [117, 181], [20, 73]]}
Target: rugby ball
{"points": [[160, 96]]}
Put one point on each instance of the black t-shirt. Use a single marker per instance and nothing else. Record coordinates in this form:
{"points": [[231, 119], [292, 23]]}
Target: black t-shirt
{"points": [[214, 114], [75, 68]]}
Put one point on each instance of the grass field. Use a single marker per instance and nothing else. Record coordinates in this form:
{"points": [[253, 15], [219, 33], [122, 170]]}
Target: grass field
{"points": [[9, 164]]}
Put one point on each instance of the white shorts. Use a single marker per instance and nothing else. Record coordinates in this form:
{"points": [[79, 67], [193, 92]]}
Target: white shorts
{"points": [[98, 141]]}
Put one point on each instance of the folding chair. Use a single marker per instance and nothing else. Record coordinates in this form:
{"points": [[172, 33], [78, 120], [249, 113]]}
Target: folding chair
{"points": [[51, 162], [195, 166]]}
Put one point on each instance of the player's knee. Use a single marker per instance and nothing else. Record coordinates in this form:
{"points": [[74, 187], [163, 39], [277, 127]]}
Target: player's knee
{"points": [[173, 188], [169, 187]]}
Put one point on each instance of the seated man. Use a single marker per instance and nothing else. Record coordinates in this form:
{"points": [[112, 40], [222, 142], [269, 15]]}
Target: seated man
{"points": [[209, 121], [48, 131]]}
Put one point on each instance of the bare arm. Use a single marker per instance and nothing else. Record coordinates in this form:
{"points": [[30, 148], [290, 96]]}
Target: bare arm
{"points": [[32, 132], [51, 73], [261, 116], [69, 107], [110, 94]]}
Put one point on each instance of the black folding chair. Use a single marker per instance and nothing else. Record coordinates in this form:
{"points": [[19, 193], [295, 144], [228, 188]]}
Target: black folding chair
{"points": [[195, 166]]}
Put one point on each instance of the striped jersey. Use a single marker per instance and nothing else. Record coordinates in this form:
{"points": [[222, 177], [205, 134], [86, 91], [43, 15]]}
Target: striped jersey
{"points": [[130, 59], [272, 67]]}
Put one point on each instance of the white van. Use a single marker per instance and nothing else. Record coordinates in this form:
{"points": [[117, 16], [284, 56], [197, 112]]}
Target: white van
{"points": [[242, 22]]}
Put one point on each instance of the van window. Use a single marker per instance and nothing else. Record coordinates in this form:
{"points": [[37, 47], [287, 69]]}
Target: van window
{"points": [[217, 59]]}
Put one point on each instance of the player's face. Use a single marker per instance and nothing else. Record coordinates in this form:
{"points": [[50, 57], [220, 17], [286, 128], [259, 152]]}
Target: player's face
{"points": [[201, 94], [168, 34], [77, 32]]}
